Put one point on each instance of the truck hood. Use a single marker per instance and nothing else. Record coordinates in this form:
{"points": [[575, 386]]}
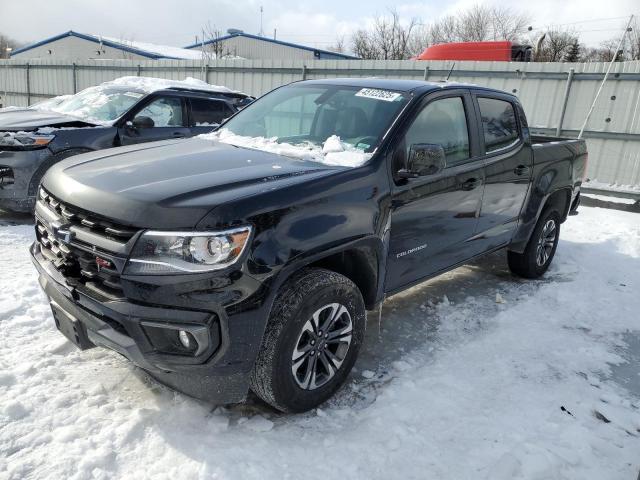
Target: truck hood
{"points": [[172, 184], [31, 119]]}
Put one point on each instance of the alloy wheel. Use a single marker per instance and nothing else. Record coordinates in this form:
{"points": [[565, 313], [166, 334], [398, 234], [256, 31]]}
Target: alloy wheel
{"points": [[546, 242], [322, 346]]}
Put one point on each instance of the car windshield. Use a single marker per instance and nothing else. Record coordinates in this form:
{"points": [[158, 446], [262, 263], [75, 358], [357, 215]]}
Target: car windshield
{"points": [[99, 103], [333, 124]]}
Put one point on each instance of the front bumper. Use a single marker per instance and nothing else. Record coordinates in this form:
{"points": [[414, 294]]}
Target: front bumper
{"points": [[15, 195], [220, 375]]}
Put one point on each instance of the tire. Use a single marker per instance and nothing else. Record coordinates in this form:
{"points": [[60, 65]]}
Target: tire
{"points": [[540, 250], [291, 373]]}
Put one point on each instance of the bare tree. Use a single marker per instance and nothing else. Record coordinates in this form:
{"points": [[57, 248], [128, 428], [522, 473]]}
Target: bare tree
{"points": [[634, 40], [388, 39], [474, 25], [507, 24], [556, 45], [339, 46], [479, 23], [604, 53], [212, 47]]}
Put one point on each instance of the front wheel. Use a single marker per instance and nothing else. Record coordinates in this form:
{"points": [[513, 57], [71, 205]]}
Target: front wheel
{"points": [[311, 341], [537, 256]]}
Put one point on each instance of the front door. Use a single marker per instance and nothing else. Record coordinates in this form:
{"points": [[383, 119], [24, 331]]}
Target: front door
{"points": [[162, 118], [508, 168], [434, 217]]}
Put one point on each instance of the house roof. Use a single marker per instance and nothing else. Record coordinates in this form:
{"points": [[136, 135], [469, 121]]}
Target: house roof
{"points": [[149, 50], [272, 40]]}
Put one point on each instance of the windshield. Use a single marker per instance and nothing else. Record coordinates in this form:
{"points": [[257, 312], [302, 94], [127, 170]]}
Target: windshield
{"points": [[99, 103], [320, 120]]}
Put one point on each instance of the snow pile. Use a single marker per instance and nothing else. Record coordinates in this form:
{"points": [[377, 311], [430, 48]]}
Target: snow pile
{"points": [[460, 389], [613, 187], [333, 151], [150, 84]]}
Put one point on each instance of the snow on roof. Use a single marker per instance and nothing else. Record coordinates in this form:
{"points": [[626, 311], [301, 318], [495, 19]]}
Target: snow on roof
{"points": [[151, 84], [149, 50], [161, 50]]}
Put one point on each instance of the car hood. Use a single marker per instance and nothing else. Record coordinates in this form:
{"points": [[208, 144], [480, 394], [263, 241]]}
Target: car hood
{"points": [[172, 184], [31, 119]]}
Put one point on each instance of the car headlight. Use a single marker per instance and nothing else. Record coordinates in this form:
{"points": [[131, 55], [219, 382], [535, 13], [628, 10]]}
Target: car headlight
{"points": [[157, 253], [28, 141]]}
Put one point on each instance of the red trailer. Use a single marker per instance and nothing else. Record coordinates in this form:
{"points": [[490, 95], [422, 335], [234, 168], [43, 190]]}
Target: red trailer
{"points": [[487, 51]]}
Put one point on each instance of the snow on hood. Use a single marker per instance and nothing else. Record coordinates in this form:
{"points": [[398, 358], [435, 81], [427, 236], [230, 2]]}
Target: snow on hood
{"points": [[333, 152], [150, 84]]}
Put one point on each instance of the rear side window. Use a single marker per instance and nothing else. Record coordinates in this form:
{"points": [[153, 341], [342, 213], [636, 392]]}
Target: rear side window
{"points": [[208, 112], [498, 124], [442, 122]]}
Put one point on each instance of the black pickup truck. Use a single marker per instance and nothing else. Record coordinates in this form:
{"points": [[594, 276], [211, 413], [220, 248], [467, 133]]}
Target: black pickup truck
{"points": [[126, 111], [247, 258]]}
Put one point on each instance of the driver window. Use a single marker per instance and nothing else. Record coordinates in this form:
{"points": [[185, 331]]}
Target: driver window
{"points": [[164, 111], [442, 122]]}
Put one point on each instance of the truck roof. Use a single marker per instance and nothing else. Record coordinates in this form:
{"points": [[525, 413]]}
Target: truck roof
{"points": [[398, 85]]}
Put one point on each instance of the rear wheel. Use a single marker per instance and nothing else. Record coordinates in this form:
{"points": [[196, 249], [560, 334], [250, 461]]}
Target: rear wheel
{"points": [[311, 341], [540, 250]]}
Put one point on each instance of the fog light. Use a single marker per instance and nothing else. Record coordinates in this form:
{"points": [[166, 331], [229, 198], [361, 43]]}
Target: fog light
{"points": [[185, 339], [173, 339]]}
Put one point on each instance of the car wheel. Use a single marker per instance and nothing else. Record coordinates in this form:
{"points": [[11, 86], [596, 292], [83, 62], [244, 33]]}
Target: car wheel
{"points": [[540, 250], [311, 341]]}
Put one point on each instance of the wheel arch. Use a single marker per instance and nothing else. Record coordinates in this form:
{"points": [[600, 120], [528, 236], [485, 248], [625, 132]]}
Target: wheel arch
{"points": [[559, 197], [361, 261]]}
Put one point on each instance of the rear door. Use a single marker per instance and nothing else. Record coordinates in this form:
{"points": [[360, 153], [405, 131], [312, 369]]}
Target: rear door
{"points": [[207, 114], [434, 217], [168, 115], [508, 166]]}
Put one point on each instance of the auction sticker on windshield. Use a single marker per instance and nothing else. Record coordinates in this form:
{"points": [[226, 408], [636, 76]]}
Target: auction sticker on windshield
{"points": [[385, 95]]}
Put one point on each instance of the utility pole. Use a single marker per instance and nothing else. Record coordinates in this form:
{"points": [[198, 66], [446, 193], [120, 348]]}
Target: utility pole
{"points": [[606, 75], [6, 76], [261, 30]]}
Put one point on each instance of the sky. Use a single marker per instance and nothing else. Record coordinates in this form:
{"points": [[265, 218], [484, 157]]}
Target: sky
{"points": [[313, 22]]}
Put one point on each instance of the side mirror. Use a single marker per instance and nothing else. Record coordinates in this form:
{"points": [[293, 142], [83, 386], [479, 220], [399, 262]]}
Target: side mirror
{"points": [[142, 122], [424, 159]]}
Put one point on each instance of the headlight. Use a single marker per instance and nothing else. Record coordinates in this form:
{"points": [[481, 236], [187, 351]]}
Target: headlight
{"points": [[157, 253], [28, 141]]}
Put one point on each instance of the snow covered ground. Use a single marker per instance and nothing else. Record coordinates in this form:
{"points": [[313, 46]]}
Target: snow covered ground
{"points": [[474, 375]]}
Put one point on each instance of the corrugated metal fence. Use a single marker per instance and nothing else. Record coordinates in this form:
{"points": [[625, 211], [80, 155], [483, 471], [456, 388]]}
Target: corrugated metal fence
{"points": [[556, 96]]}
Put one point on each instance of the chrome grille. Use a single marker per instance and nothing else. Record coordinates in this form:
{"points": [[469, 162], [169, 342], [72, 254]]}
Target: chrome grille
{"points": [[74, 241]]}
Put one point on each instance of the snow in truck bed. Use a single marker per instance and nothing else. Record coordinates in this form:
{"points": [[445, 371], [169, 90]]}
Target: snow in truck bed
{"points": [[474, 375]]}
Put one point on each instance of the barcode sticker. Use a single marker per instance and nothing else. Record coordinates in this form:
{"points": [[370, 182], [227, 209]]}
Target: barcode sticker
{"points": [[385, 95]]}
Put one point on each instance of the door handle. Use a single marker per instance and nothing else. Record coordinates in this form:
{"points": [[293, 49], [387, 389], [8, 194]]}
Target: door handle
{"points": [[521, 170], [470, 184], [178, 134]]}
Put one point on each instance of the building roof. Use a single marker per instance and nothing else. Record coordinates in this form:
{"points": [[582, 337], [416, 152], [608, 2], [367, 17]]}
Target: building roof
{"points": [[272, 40], [149, 50]]}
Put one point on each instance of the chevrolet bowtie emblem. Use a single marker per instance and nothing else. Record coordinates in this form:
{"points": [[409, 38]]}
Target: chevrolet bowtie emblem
{"points": [[65, 235]]}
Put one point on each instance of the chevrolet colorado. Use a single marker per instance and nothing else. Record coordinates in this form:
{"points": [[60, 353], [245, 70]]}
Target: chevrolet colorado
{"points": [[247, 258]]}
